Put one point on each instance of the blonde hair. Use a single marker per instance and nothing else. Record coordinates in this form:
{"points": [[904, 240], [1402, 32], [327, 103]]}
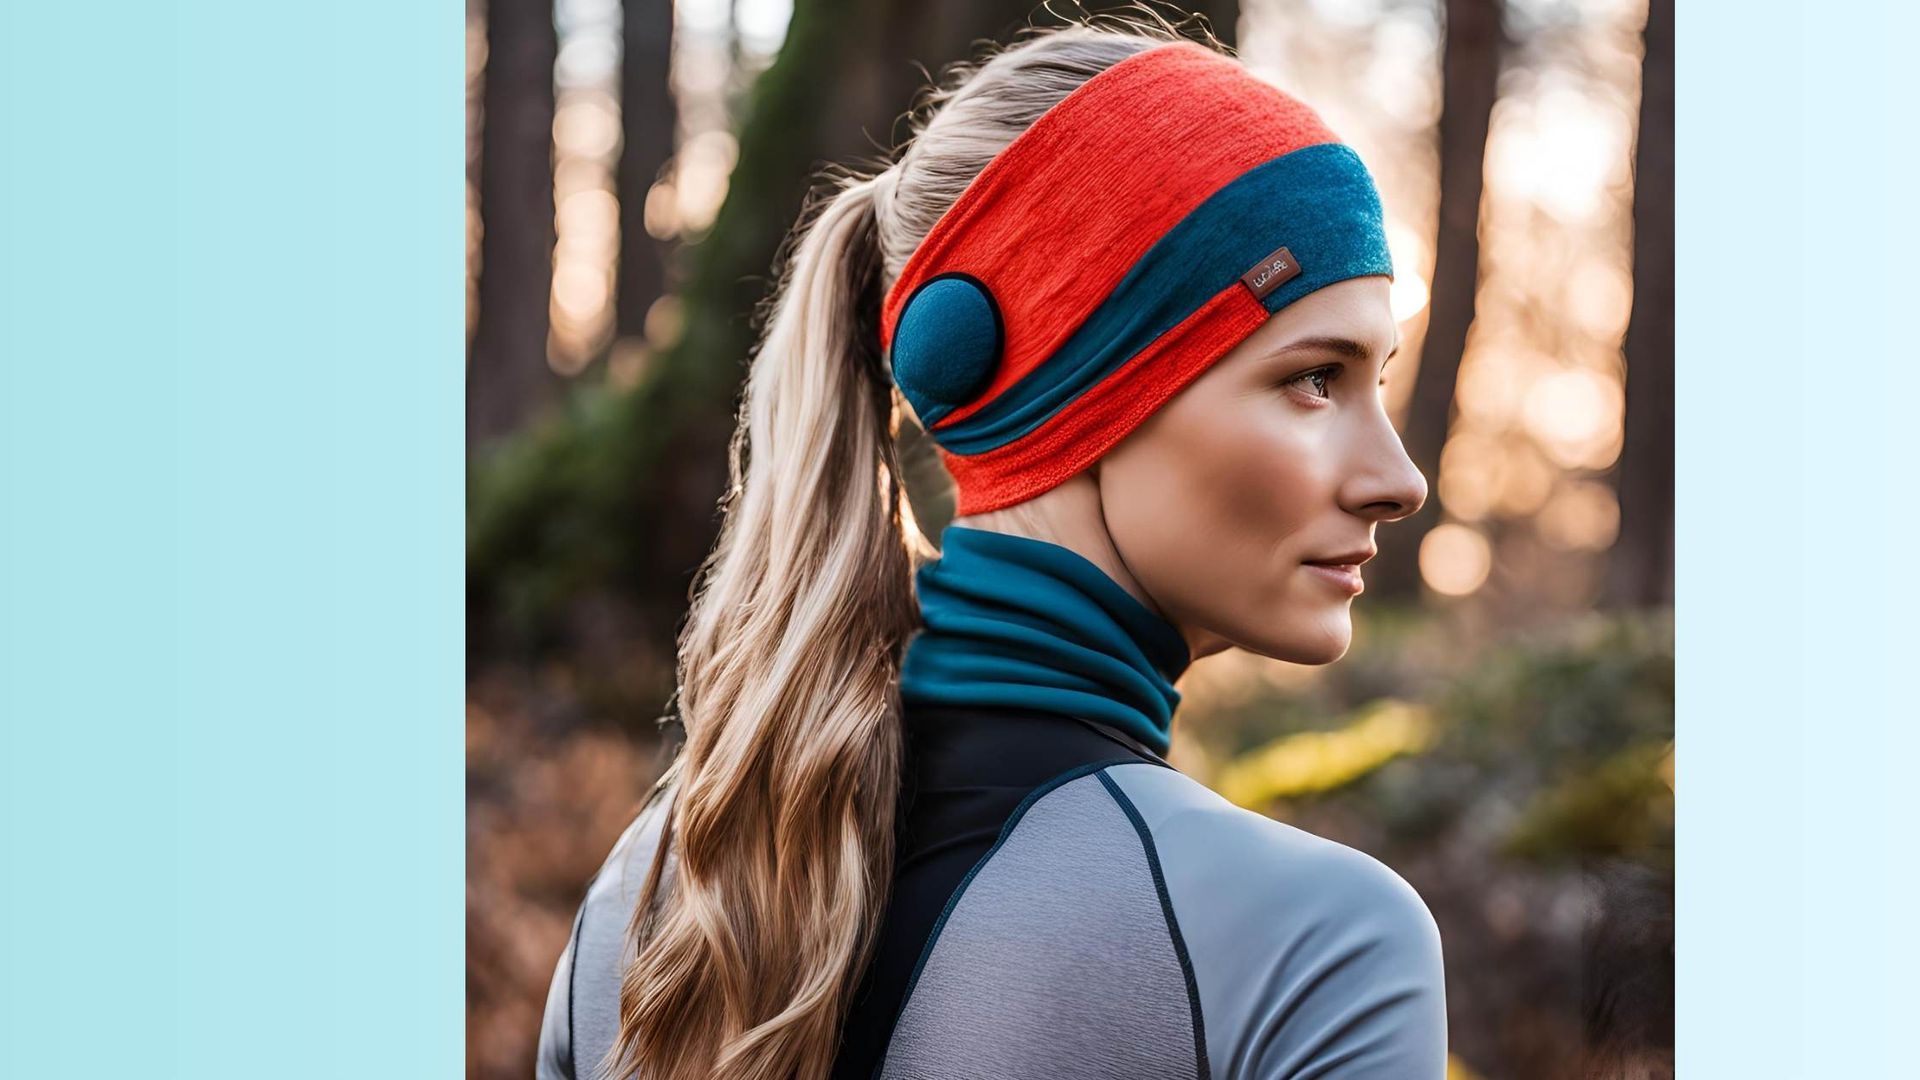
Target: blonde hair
{"points": [[782, 814]]}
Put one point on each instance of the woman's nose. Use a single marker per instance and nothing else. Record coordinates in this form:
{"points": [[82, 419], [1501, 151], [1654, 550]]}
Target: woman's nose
{"points": [[1386, 485]]}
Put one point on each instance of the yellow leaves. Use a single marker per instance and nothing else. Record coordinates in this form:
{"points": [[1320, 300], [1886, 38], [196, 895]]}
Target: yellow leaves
{"points": [[1457, 1070], [1316, 761]]}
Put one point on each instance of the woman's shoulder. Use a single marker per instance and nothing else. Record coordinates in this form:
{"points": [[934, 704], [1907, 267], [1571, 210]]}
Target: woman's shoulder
{"points": [[1303, 950], [1216, 843]]}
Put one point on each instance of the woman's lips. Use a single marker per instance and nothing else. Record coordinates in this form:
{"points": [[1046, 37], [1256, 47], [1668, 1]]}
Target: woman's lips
{"points": [[1345, 576]]}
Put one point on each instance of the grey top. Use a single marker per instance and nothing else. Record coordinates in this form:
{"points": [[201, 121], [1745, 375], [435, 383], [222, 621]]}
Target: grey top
{"points": [[583, 1002], [1126, 921]]}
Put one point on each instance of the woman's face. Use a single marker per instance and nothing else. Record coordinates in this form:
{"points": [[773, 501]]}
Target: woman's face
{"points": [[1280, 455]]}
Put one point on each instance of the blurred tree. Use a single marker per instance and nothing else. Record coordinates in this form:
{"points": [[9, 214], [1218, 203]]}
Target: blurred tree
{"points": [[649, 117], [1469, 77], [1641, 571], [508, 377]]}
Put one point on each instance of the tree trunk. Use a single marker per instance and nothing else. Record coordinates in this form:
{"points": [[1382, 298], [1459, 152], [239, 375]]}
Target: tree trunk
{"points": [[648, 117], [1470, 72], [508, 377], [1641, 572]]}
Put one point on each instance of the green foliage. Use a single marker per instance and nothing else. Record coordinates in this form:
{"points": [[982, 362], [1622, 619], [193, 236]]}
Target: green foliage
{"points": [[1549, 746], [1622, 806], [547, 508], [1569, 699], [1554, 743]]}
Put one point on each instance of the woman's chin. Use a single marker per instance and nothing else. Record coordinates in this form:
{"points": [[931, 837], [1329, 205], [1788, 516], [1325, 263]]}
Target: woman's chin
{"points": [[1322, 641], [1332, 650]]}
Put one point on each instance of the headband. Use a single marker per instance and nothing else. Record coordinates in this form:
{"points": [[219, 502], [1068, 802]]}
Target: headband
{"points": [[1134, 234]]}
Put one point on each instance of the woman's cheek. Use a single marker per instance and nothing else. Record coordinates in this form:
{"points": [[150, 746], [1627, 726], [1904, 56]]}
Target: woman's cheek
{"points": [[1246, 509], [1266, 482]]}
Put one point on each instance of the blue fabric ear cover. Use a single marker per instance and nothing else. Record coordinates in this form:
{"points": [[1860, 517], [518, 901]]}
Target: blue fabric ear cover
{"points": [[947, 344]]}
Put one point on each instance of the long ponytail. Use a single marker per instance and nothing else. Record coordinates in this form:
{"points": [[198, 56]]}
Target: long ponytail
{"points": [[783, 814], [773, 871]]}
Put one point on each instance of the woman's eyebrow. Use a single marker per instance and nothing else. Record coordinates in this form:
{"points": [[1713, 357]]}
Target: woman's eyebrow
{"points": [[1340, 346]]}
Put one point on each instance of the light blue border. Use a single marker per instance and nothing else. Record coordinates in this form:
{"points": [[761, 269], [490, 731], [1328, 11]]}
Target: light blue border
{"points": [[231, 486], [1798, 510]]}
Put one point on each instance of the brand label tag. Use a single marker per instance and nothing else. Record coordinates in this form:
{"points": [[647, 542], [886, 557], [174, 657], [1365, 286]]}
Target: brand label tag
{"points": [[1274, 271]]}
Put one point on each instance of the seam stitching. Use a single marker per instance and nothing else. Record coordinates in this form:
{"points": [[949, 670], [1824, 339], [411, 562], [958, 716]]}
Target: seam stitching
{"points": [[953, 901], [1173, 923]]}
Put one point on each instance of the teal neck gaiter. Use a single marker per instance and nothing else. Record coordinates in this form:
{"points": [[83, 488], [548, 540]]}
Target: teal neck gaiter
{"points": [[1020, 623]]}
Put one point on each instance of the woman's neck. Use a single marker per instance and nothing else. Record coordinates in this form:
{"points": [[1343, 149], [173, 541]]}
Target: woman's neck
{"points": [[1067, 515]]}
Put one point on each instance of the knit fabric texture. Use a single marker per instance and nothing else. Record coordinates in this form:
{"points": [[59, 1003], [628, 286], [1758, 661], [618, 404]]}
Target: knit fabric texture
{"points": [[1109, 255], [1017, 623]]}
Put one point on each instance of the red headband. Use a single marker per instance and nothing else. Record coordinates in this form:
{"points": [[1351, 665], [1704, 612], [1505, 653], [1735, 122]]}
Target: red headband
{"points": [[1133, 235]]}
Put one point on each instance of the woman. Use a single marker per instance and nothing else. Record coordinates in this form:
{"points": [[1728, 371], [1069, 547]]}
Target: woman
{"points": [[921, 825]]}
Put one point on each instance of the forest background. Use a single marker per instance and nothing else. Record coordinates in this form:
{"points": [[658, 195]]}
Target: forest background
{"points": [[1501, 732]]}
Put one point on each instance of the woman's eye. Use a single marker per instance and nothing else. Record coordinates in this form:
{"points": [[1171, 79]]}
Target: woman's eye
{"points": [[1317, 378]]}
